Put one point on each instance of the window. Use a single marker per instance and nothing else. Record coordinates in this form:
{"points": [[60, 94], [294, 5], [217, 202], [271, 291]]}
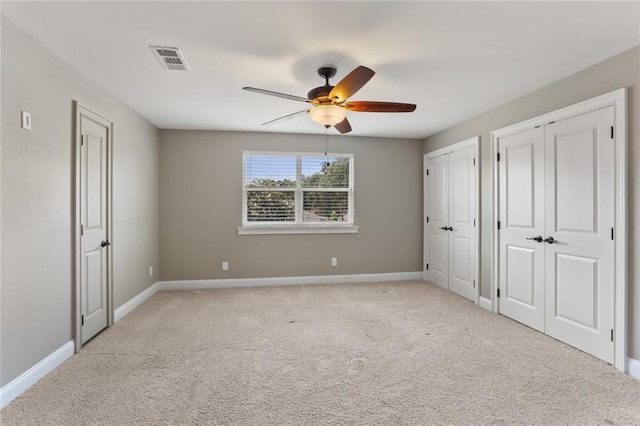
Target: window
{"points": [[297, 193]]}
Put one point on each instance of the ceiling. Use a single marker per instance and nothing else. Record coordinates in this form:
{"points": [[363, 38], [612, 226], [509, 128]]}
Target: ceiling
{"points": [[454, 60]]}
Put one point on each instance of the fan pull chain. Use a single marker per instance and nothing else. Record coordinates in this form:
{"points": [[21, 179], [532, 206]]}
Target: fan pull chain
{"points": [[326, 141]]}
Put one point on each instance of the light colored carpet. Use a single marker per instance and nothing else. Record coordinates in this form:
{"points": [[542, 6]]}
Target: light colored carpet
{"points": [[369, 354]]}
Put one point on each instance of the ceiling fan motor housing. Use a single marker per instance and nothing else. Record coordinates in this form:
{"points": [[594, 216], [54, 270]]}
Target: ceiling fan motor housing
{"points": [[321, 93]]}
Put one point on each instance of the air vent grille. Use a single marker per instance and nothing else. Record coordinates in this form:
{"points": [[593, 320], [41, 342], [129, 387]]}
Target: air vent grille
{"points": [[170, 58]]}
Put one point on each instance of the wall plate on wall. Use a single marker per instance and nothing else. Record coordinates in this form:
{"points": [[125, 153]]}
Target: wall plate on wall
{"points": [[26, 120]]}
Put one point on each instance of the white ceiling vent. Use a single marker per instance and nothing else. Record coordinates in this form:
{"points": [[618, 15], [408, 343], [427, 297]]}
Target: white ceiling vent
{"points": [[171, 58]]}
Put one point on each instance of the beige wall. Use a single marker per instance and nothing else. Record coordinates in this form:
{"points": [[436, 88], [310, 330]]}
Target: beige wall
{"points": [[36, 278], [620, 71], [200, 209]]}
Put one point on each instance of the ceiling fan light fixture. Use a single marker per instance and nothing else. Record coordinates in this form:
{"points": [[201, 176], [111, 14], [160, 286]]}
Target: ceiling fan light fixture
{"points": [[329, 103], [328, 115]]}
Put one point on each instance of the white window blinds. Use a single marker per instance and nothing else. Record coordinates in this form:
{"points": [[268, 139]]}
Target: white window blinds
{"points": [[297, 189]]}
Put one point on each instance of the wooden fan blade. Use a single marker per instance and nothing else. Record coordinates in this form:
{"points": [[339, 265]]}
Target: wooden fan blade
{"points": [[351, 84], [277, 94], [286, 117], [343, 126], [373, 106]]}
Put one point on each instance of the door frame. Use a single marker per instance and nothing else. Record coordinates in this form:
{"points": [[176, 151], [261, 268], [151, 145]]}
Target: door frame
{"points": [[618, 100], [471, 142], [79, 111]]}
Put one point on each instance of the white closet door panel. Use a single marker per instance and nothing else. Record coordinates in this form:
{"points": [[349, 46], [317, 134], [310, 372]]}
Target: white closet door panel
{"points": [[521, 276], [519, 173], [462, 206], [461, 173], [438, 219], [576, 189], [579, 191], [521, 268], [577, 277]]}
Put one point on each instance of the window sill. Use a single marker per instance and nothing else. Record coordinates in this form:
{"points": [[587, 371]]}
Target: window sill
{"points": [[292, 229]]}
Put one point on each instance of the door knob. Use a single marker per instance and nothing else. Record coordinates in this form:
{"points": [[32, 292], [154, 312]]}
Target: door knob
{"points": [[537, 239], [446, 228], [550, 240], [105, 243]]}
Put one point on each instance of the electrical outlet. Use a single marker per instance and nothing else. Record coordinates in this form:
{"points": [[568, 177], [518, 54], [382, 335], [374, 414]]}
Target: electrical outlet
{"points": [[150, 271], [225, 266], [334, 261], [25, 120]]}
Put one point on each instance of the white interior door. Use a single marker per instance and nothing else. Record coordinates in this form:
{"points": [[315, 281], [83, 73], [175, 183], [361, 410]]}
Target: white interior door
{"points": [[579, 194], [94, 245], [438, 220], [521, 206], [462, 211]]}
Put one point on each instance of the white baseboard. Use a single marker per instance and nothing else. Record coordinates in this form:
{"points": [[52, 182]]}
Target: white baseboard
{"points": [[633, 368], [133, 303], [485, 303], [30, 377], [260, 282]]}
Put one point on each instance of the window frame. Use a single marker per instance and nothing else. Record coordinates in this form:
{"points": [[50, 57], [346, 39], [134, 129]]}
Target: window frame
{"points": [[298, 226]]}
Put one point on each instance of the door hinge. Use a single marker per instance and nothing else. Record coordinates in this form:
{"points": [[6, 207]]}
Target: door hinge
{"points": [[82, 319], [498, 156], [611, 132], [612, 334], [498, 224], [474, 222], [427, 219], [498, 292], [551, 122], [82, 140], [427, 267], [427, 172], [474, 283], [81, 230], [474, 161], [612, 233]]}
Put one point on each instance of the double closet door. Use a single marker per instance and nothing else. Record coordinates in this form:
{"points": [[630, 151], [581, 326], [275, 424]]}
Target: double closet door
{"points": [[556, 237], [450, 245]]}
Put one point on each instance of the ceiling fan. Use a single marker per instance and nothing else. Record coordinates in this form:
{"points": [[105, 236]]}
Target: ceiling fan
{"points": [[329, 103]]}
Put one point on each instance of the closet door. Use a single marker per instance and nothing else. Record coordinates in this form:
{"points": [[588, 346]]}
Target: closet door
{"points": [[451, 234], [462, 211], [556, 247], [521, 206], [438, 220], [579, 193]]}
